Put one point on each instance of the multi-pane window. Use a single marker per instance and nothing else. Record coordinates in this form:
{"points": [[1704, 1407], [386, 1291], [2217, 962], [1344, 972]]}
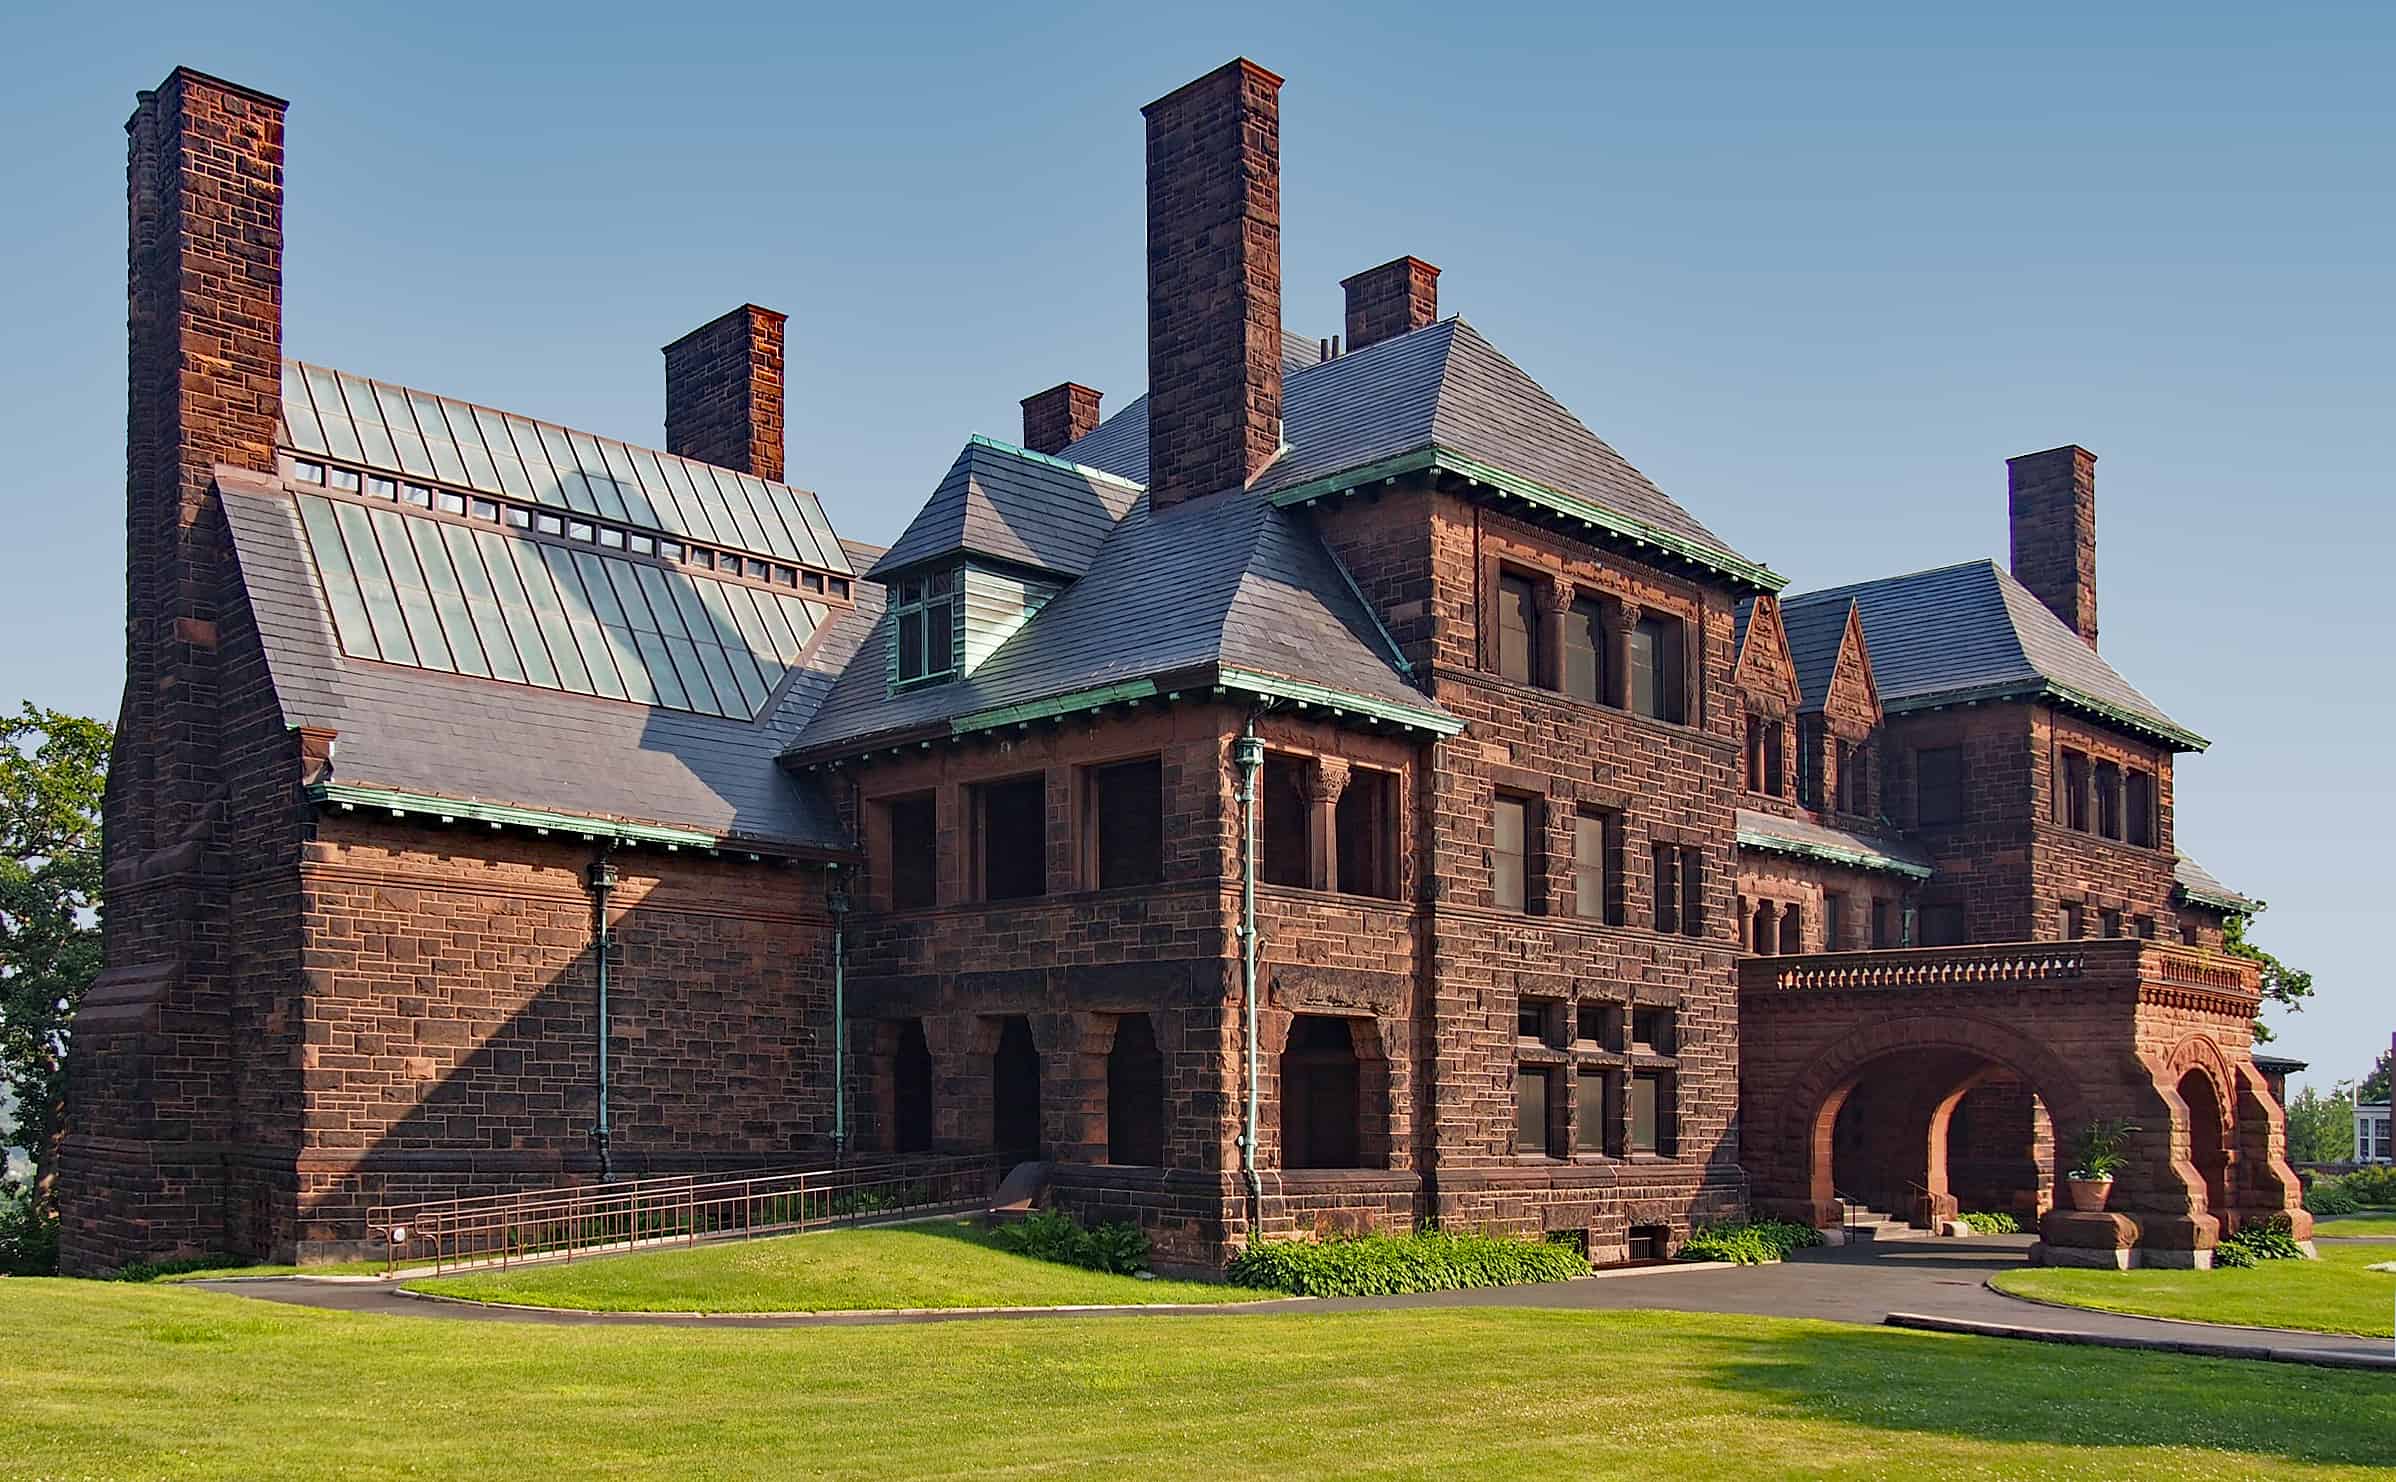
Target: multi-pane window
{"points": [[2140, 787], [1530, 1018], [1285, 831], [1596, 885], [1651, 1112], [1518, 629], [914, 852], [1127, 805], [1509, 853], [1589, 1022], [1658, 681], [1590, 1112], [1011, 827], [2108, 799], [1585, 653], [923, 610], [1532, 1124], [1938, 784]]}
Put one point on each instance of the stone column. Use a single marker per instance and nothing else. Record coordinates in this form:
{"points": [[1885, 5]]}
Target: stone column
{"points": [[1555, 605], [1766, 928], [1620, 618], [1324, 782]]}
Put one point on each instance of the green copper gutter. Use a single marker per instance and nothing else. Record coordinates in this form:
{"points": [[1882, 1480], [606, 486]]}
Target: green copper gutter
{"points": [[2176, 736], [505, 815], [1059, 705], [1832, 854], [1446, 460], [1016, 450], [1437, 722]]}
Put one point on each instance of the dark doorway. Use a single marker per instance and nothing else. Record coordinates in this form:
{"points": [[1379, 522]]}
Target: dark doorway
{"points": [[1015, 1091], [1135, 1095], [1320, 1095], [2205, 1147], [911, 1084]]}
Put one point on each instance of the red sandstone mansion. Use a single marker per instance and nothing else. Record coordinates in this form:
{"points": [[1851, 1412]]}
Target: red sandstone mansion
{"points": [[1335, 790]]}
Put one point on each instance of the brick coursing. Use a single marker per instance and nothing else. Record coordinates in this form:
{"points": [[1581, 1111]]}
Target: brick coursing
{"points": [[724, 392], [1393, 299], [1058, 417], [2051, 499]]}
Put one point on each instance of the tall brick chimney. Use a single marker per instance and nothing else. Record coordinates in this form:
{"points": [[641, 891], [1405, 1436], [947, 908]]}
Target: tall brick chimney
{"points": [[724, 393], [204, 386], [1058, 417], [1393, 299], [1214, 283], [2051, 497]]}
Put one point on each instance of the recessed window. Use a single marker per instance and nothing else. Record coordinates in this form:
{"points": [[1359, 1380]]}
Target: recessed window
{"points": [[611, 537], [519, 517], [452, 504], [786, 576], [1658, 677], [1834, 921], [1283, 801], [1884, 924], [2141, 792], [550, 524], [1590, 1112], [1938, 785], [1854, 773], [1517, 629], [705, 559], [1792, 930], [578, 530], [1651, 1112], [1509, 853], [485, 509], [2145, 926], [346, 479], [1765, 767], [914, 852], [840, 588], [1597, 867], [2108, 924], [669, 550], [644, 545], [417, 495], [2071, 798], [1364, 836], [1651, 1030], [1666, 894], [1533, 1127], [1941, 926], [308, 473], [1585, 653], [1530, 1018], [760, 570], [1127, 804], [923, 611], [1011, 825], [2108, 800], [810, 582], [382, 488], [1589, 1023]]}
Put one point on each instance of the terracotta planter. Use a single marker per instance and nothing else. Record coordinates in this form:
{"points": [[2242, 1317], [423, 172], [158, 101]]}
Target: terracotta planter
{"points": [[2088, 1195]]}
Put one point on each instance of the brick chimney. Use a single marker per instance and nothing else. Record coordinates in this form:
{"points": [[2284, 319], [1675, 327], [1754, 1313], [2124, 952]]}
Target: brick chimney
{"points": [[724, 392], [1058, 417], [1393, 299], [204, 386], [1214, 283], [2051, 497]]}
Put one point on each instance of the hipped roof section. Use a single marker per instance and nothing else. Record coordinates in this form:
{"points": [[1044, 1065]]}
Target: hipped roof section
{"points": [[1008, 504]]}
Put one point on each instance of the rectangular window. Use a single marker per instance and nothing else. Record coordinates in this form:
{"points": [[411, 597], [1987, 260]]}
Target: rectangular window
{"points": [[1667, 887], [1854, 773], [1941, 926], [1589, 1113], [1367, 837], [1518, 629], [2189, 936], [1531, 1120], [1585, 653], [2108, 924], [2071, 798], [1938, 785], [1651, 1110], [1834, 921], [914, 852], [2146, 928], [1509, 854], [1011, 821], [2108, 799], [2141, 789], [1530, 1018], [1285, 824], [1127, 801], [1590, 1023], [1775, 770], [1809, 760], [1651, 1030], [1692, 892], [923, 608], [1658, 679], [1884, 932], [1596, 867], [2075, 921], [1792, 930]]}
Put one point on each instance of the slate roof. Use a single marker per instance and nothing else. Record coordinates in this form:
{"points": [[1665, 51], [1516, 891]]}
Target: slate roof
{"points": [[1442, 386], [1217, 584], [1009, 504], [478, 740], [1809, 840], [2198, 886], [1972, 632], [1815, 633]]}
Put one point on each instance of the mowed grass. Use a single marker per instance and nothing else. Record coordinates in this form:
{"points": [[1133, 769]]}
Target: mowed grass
{"points": [[106, 1380], [947, 1263], [2380, 1224], [2335, 1294]]}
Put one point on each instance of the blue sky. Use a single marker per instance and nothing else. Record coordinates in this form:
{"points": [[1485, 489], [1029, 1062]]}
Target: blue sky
{"points": [[1816, 270]]}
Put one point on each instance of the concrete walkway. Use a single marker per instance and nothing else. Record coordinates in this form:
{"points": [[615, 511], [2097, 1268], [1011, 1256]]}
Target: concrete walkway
{"points": [[1855, 1284]]}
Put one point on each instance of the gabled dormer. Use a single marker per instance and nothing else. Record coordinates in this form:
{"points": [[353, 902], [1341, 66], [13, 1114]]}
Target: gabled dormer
{"points": [[1768, 695], [1005, 531], [1838, 710]]}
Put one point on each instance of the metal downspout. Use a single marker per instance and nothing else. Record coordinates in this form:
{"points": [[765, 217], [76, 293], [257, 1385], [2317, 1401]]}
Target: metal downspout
{"points": [[1249, 753], [836, 900], [603, 942]]}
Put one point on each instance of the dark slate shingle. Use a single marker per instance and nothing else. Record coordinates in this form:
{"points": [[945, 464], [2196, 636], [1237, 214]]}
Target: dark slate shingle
{"points": [[1002, 502]]}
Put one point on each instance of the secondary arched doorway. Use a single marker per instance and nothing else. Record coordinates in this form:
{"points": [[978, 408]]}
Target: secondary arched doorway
{"points": [[1015, 1090], [911, 1091], [2208, 1140]]}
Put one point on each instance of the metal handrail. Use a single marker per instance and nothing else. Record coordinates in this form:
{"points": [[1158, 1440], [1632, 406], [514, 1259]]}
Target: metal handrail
{"points": [[559, 1223]]}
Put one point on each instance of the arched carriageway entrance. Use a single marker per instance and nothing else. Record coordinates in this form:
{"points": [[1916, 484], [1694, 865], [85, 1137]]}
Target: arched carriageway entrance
{"points": [[1927, 1082]]}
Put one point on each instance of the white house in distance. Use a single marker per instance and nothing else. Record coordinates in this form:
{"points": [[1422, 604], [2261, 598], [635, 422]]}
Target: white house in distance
{"points": [[2371, 1143]]}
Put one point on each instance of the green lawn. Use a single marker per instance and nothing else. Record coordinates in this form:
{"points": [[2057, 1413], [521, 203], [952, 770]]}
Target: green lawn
{"points": [[2332, 1295], [2379, 1222], [106, 1380], [947, 1263]]}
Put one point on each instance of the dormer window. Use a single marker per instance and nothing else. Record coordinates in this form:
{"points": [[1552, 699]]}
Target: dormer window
{"points": [[924, 609]]}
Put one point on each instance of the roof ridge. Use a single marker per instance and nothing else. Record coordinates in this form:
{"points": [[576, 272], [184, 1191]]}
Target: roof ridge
{"points": [[1031, 455], [1849, 589]]}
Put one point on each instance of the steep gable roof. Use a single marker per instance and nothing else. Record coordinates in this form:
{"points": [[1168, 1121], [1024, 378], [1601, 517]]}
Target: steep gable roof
{"points": [[1006, 503], [1443, 394], [1221, 590], [1826, 640], [1971, 632], [1763, 666], [2198, 887]]}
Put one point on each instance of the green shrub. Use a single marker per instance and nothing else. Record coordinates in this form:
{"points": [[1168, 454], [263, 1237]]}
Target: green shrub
{"points": [[2229, 1255], [1379, 1265], [1990, 1222], [1756, 1243], [2330, 1196], [28, 1232], [2373, 1187], [1118, 1247], [2270, 1241]]}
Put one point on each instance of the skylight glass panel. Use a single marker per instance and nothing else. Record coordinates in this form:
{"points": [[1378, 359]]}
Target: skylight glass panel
{"points": [[516, 478], [350, 621], [557, 629], [467, 438], [594, 473], [664, 496], [299, 411], [624, 576], [571, 489], [584, 624], [375, 584], [415, 598], [516, 608], [332, 413], [711, 653], [825, 540], [745, 670], [449, 599], [774, 535], [735, 503], [614, 630], [449, 465], [762, 651], [482, 600], [699, 513], [400, 423], [637, 507], [685, 654]]}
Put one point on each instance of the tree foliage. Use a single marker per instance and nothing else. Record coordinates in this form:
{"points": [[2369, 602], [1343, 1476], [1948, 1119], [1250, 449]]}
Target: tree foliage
{"points": [[2321, 1128], [2374, 1090], [2286, 986], [52, 768]]}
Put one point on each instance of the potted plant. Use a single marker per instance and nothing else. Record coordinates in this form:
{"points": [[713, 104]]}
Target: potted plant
{"points": [[2101, 1155]]}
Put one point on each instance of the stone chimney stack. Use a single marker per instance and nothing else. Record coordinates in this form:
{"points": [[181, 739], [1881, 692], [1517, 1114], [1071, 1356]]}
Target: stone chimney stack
{"points": [[1393, 299], [1058, 417], [1214, 283], [2051, 497], [724, 395]]}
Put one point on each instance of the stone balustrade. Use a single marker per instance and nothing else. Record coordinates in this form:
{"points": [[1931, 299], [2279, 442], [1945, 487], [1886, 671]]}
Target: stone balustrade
{"points": [[2108, 962]]}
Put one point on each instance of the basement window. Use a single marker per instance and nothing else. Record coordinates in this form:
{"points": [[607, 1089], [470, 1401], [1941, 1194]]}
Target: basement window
{"points": [[1011, 834]]}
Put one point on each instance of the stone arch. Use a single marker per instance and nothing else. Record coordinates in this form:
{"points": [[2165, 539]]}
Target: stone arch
{"points": [[2200, 1054], [1810, 1111]]}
